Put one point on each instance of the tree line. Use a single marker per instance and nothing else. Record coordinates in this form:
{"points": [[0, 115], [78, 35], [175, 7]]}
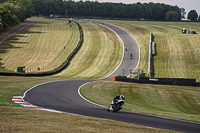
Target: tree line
{"points": [[13, 12], [151, 11]]}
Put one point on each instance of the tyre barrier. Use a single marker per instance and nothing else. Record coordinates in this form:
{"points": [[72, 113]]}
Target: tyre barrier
{"points": [[160, 81], [56, 70]]}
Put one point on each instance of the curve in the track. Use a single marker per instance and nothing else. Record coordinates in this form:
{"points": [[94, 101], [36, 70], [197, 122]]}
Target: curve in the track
{"points": [[63, 95]]}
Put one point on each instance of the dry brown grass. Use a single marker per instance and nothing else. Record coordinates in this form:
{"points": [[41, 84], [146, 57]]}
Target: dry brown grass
{"points": [[28, 120]]}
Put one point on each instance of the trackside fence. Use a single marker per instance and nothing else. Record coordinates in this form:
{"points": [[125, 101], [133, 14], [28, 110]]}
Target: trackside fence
{"points": [[161, 81], [56, 70]]}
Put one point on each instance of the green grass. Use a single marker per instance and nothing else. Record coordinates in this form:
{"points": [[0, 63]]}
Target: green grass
{"points": [[19, 119], [176, 102], [178, 55], [99, 55], [15, 119], [15, 86], [40, 45]]}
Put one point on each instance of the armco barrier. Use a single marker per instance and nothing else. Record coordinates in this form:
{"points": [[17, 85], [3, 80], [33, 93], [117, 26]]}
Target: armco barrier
{"points": [[56, 70], [152, 53], [151, 59], [161, 81]]}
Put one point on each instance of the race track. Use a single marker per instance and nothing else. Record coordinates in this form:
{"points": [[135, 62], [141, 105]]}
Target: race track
{"points": [[63, 95]]}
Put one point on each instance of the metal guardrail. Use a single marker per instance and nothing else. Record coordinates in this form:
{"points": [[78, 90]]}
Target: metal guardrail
{"points": [[151, 53]]}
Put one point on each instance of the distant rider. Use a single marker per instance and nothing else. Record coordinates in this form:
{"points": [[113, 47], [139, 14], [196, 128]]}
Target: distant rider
{"points": [[131, 55]]}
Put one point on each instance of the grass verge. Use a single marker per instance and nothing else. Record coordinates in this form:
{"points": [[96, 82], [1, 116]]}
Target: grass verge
{"points": [[177, 102], [19, 120], [99, 55], [28, 120], [15, 119], [40, 45], [178, 55]]}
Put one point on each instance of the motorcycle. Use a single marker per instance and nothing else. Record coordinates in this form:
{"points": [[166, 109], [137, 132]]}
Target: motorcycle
{"points": [[116, 106]]}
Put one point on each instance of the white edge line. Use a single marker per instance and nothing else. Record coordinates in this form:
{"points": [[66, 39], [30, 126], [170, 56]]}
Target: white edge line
{"points": [[51, 110], [132, 112], [24, 94], [134, 40], [122, 54], [87, 99], [45, 109], [116, 68], [127, 76]]}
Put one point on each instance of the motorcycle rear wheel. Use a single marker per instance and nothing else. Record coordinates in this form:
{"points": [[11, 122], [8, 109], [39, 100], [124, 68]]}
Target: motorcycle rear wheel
{"points": [[117, 108]]}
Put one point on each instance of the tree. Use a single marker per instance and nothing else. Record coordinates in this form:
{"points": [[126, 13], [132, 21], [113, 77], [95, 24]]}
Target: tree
{"points": [[153, 11], [1, 25], [183, 13], [27, 7], [1, 1], [198, 19], [192, 15], [12, 12], [158, 12], [8, 15], [171, 16]]}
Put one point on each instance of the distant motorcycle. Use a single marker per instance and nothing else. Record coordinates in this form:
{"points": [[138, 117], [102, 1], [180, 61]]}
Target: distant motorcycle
{"points": [[117, 105], [131, 56]]}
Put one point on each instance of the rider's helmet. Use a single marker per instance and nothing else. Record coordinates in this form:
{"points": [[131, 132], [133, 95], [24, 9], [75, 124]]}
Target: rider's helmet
{"points": [[122, 96]]}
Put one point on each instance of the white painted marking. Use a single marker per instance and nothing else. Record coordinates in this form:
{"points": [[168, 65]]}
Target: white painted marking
{"points": [[123, 49], [87, 99]]}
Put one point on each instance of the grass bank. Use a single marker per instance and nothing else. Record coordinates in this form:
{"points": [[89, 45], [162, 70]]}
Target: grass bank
{"points": [[28, 120], [101, 47], [99, 55], [48, 43], [177, 102], [17, 119], [178, 55], [40, 45], [95, 40]]}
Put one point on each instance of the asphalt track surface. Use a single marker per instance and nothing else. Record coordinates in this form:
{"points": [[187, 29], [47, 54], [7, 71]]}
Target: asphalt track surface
{"points": [[64, 95], [2, 39]]}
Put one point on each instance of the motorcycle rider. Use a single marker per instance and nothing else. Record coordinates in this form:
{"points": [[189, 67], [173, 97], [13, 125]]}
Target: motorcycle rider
{"points": [[131, 55], [115, 99]]}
